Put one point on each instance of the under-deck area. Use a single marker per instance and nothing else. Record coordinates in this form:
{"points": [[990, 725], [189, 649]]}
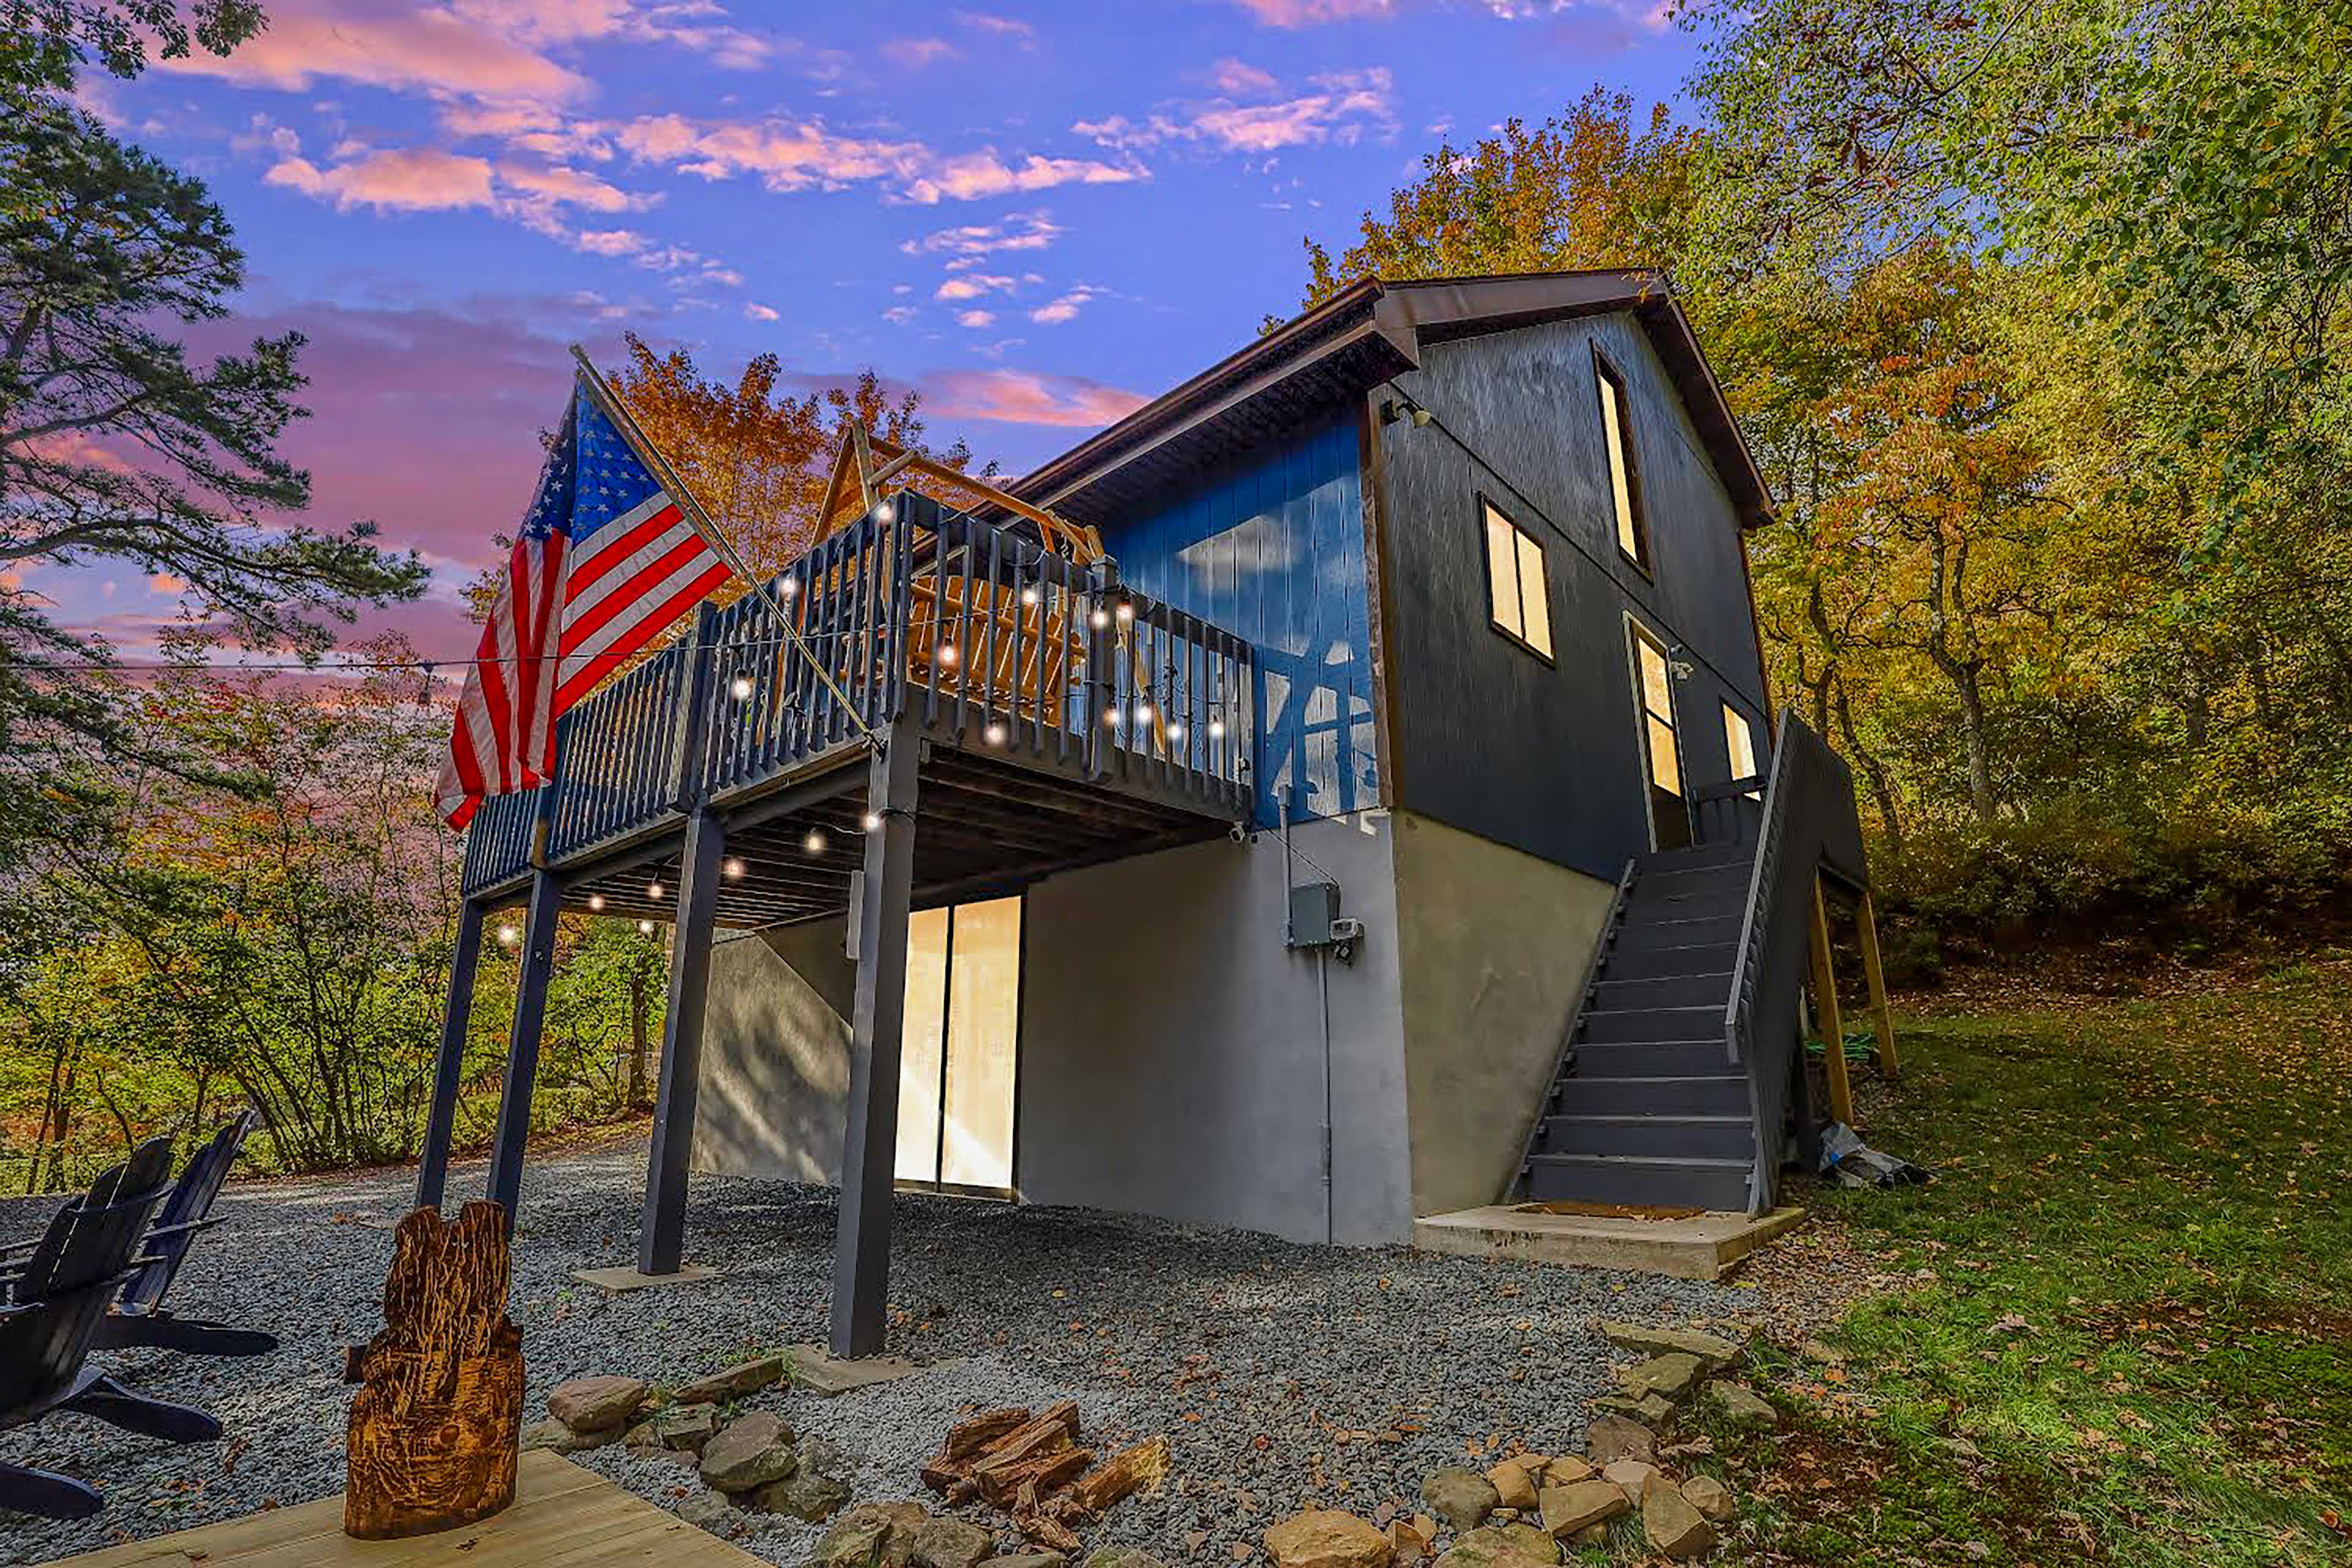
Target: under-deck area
{"points": [[924, 710]]}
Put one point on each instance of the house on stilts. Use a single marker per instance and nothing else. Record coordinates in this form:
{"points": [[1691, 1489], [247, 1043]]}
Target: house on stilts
{"points": [[1340, 792]]}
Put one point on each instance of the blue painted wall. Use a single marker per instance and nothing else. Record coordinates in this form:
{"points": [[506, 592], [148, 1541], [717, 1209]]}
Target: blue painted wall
{"points": [[1272, 549]]}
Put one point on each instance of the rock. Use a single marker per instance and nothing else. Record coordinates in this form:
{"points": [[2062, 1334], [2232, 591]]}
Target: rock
{"points": [[1567, 1470], [1408, 1544], [951, 1543], [1653, 1410], [1739, 1405], [1513, 1483], [1614, 1438], [810, 1494], [1026, 1560], [1711, 1497], [1502, 1545], [1672, 1375], [1673, 1525], [749, 1452], [1458, 1559], [733, 1382], [1327, 1537], [1591, 1535], [710, 1510], [1629, 1475], [870, 1535], [554, 1435], [1567, 1510], [1121, 1557], [1462, 1498], [1425, 1525], [1714, 1350], [687, 1427], [596, 1403]]}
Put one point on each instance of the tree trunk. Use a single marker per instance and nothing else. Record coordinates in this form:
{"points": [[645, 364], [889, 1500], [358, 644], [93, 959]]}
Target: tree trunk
{"points": [[60, 1123]]}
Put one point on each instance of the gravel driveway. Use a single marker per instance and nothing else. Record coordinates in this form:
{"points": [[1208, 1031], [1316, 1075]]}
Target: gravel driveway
{"points": [[1261, 1359]]}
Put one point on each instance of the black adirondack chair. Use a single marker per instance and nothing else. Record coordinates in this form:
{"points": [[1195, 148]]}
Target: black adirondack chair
{"points": [[140, 1319], [49, 1317]]}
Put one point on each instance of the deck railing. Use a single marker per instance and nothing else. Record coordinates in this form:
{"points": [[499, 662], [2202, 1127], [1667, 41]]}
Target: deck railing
{"points": [[1809, 824], [981, 635]]}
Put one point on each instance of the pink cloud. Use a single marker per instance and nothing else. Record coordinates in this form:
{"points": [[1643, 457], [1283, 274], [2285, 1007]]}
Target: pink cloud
{"points": [[914, 54], [1001, 26], [1231, 76], [399, 47], [968, 242], [973, 176], [1314, 13], [798, 154], [1345, 105], [413, 179], [1028, 397]]}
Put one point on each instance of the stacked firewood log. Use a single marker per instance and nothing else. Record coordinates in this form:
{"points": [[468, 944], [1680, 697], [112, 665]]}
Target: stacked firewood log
{"points": [[1032, 1466]]}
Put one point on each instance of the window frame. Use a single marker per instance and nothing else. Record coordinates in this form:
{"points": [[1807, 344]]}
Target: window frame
{"points": [[1487, 510], [1638, 635], [1608, 382], [1731, 714]]}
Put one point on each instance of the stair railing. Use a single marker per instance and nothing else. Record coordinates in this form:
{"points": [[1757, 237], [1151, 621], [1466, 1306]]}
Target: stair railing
{"points": [[1809, 824], [1516, 1188]]}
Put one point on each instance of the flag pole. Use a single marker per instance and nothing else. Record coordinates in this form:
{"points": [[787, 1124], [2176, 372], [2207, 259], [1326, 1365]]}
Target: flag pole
{"points": [[614, 410]]}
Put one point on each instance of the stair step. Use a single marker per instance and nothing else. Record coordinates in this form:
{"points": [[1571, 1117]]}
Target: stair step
{"points": [[1664, 963], [1688, 859], [1630, 1179], [1654, 930], [1689, 879], [1703, 989], [1692, 1022], [1654, 1058], [1665, 1137], [1693, 901], [1713, 1094]]}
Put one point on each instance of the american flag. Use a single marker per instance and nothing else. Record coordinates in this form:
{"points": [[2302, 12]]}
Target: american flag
{"points": [[604, 542]]}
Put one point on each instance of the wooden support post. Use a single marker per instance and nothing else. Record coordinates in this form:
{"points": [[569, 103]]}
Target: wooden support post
{"points": [[1866, 928], [861, 1257], [449, 1065], [1825, 1011], [661, 1238], [522, 1044]]}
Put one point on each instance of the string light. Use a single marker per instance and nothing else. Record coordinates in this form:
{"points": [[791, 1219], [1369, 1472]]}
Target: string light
{"points": [[1175, 729], [995, 734], [947, 653], [732, 868], [815, 842], [1100, 619], [1111, 718], [1125, 612], [1216, 728], [789, 587], [741, 688], [1143, 712], [653, 890], [1029, 597], [644, 927], [885, 513], [871, 822], [596, 903], [508, 936]]}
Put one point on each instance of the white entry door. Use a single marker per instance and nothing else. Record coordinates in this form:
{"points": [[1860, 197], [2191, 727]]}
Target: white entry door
{"points": [[958, 1053]]}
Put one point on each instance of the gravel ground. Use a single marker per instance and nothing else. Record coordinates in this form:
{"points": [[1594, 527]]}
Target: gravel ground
{"points": [[1264, 1360]]}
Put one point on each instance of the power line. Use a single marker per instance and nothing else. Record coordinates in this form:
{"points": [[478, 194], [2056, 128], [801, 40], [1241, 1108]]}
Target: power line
{"points": [[321, 667]]}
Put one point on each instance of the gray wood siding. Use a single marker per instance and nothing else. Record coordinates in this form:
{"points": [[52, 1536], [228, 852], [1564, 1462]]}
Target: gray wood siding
{"points": [[1487, 737]]}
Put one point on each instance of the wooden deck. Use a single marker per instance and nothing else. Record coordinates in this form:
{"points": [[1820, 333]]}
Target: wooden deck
{"points": [[562, 1515]]}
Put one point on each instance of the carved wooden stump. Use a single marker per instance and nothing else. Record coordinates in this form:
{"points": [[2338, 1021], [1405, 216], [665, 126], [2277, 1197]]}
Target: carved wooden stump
{"points": [[434, 1432]]}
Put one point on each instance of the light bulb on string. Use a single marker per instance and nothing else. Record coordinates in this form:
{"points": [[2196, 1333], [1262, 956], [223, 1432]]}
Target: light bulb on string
{"points": [[789, 587], [596, 903], [885, 513], [1029, 597], [815, 842], [1100, 619], [1111, 717], [1143, 712], [1216, 728], [740, 688], [947, 653], [653, 890], [732, 868], [871, 822], [1125, 612], [508, 936], [995, 734], [1175, 729], [644, 927]]}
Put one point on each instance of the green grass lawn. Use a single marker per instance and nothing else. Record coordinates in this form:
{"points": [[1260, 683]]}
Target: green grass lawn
{"points": [[2128, 1337]]}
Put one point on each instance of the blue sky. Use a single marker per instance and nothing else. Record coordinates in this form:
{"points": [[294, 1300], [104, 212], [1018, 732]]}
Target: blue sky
{"points": [[1037, 214]]}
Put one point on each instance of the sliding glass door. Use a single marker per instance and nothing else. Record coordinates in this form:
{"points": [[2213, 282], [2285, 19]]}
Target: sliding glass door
{"points": [[958, 1057]]}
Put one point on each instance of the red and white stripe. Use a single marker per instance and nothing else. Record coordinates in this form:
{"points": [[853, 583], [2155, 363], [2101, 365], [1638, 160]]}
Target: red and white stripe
{"points": [[640, 573]]}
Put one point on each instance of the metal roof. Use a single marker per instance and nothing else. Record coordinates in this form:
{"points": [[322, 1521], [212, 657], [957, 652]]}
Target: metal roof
{"points": [[1354, 340]]}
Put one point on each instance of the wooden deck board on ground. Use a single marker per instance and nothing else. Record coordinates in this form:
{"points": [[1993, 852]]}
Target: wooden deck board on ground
{"points": [[562, 1515]]}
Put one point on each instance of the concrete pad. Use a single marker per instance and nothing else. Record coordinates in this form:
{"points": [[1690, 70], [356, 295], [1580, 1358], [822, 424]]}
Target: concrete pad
{"points": [[621, 1279], [1702, 1246], [814, 1369]]}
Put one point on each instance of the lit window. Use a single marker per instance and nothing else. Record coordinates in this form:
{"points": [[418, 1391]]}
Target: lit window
{"points": [[1624, 477], [1738, 742], [1516, 593]]}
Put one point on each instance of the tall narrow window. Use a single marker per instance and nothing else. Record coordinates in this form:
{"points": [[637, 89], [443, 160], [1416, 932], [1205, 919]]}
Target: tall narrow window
{"points": [[1625, 474], [1517, 595], [958, 1052], [1653, 694], [1738, 742]]}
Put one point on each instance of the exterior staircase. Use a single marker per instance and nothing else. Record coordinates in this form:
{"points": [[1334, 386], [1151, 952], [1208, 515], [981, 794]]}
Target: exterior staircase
{"points": [[1648, 1105]]}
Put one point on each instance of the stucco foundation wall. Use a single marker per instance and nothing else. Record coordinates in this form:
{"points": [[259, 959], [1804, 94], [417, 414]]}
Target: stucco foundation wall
{"points": [[1171, 1049], [775, 1056], [1494, 946]]}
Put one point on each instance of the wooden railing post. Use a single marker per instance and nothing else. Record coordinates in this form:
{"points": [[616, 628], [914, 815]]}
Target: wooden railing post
{"points": [[1866, 928], [691, 763], [1825, 1010]]}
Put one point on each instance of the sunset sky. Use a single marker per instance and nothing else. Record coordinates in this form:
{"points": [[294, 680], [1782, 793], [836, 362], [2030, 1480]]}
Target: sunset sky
{"points": [[1037, 214]]}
